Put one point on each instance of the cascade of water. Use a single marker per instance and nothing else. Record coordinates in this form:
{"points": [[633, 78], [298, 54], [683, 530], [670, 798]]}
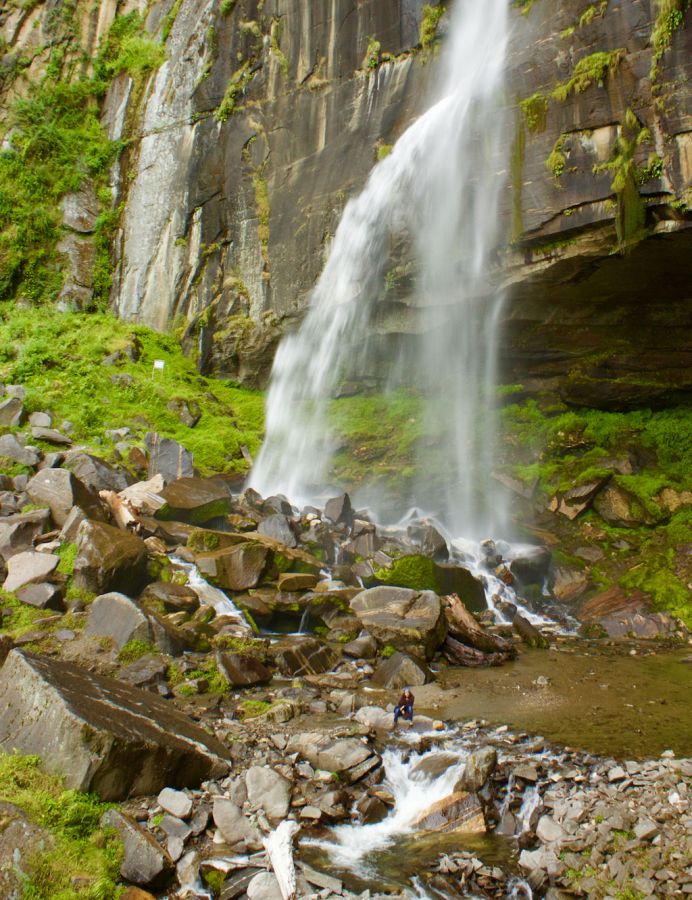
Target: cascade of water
{"points": [[530, 801], [210, 595], [519, 889], [439, 187]]}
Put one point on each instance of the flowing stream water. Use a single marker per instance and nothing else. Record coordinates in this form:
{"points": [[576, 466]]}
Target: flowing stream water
{"points": [[439, 187]]}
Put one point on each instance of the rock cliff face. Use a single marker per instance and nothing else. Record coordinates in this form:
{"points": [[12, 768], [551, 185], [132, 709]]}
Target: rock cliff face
{"points": [[243, 146]]}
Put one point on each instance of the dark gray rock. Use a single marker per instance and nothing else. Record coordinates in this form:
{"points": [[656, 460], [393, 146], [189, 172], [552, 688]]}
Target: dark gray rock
{"points": [[61, 490], [12, 448], [20, 839], [279, 528], [97, 474], [168, 458], [480, 765], [243, 669], [297, 655], [145, 861], [42, 596], [118, 617], [173, 597], [99, 733], [17, 532], [50, 435], [339, 510], [401, 670], [109, 559], [195, 500], [29, 567], [11, 412]]}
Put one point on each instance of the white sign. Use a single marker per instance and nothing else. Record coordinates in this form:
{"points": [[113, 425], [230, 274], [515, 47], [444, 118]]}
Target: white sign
{"points": [[159, 364]]}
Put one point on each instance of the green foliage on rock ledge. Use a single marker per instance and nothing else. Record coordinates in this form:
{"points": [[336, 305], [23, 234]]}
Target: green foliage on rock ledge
{"points": [[83, 862], [59, 357]]}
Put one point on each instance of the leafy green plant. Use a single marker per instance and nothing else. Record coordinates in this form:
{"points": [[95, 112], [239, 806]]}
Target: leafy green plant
{"points": [[430, 20], [134, 650]]}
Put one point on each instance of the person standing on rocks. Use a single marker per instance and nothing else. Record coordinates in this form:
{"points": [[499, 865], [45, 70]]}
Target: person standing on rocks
{"points": [[404, 707]]}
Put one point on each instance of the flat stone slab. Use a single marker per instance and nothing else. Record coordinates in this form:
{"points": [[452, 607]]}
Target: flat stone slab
{"points": [[29, 567], [100, 734]]}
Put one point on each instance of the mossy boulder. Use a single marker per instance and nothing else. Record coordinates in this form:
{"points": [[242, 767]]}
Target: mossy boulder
{"points": [[627, 502], [420, 573], [235, 568], [195, 500], [109, 559]]}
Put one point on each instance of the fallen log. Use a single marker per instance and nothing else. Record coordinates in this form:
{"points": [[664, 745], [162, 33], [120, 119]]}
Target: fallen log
{"points": [[529, 633], [460, 655], [279, 847], [462, 626], [121, 510]]}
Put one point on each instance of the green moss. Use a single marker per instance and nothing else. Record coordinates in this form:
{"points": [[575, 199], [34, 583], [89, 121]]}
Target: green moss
{"points": [[383, 151], [591, 69], [58, 357], [227, 7], [430, 21], [670, 16], [202, 540], [388, 650], [214, 880], [242, 646], [517, 175], [169, 19], [81, 854], [67, 554], [21, 616], [250, 709], [590, 13], [523, 5], [235, 89], [557, 160], [372, 54], [416, 572], [656, 578], [134, 650], [274, 38], [535, 110]]}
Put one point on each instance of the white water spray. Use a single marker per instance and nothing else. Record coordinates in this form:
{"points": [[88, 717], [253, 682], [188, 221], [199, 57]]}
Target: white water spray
{"points": [[439, 187]]}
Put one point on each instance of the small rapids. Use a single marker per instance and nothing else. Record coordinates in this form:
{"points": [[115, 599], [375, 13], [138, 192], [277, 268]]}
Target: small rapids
{"points": [[369, 852]]}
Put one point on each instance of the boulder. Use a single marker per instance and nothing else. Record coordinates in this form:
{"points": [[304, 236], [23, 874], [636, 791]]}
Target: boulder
{"points": [[363, 647], [243, 669], [100, 734], [431, 542], [480, 765], [172, 597], [339, 510], [399, 671], [323, 751], [41, 419], [20, 839], [11, 412], [269, 790], [17, 532], [195, 500], [279, 528], [144, 860], [568, 584], [576, 500], [264, 886], [177, 803], [622, 508], [51, 436], [532, 566], [296, 581], [29, 567], [432, 765], [42, 596], [234, 828], [461, 813], [118, 617], [167, 458], [62, 490], [409, 620], [297, 655], [621, 613], [12, 448], [95, 473], [236, 568], [109, 559], [188, 411]]}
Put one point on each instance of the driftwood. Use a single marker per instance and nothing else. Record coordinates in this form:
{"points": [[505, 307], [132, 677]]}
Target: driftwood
{"points": [[463, 627], [529, 633], [461, 655], [279, 847], [122, 510]]}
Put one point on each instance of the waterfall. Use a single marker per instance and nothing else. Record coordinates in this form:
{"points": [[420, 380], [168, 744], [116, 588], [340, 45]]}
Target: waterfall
{"points": [[439, 189]]}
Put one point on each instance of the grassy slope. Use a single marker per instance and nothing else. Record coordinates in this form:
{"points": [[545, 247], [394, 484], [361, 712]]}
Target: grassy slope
{"points": [[58, 357]]}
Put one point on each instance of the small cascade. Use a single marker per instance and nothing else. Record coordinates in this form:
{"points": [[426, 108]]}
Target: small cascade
{"points": [[210, 595], [509, 796], [304, 621], [519, 889], [529, 803]]}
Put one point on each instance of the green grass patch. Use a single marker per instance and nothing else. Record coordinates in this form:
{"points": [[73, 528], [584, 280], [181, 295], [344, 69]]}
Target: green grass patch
{"points": [[134, 650], [21, 616], [250, 709], [81, 851], [430, 21], [58, 357]]}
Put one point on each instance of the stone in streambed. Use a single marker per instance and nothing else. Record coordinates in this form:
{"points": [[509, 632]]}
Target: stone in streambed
{"points": [[339, 510], [297, 655], [480, 765], [195, 500], [269, 790], [401, 670], [100, 734], [236, 568], [173, 597], [242, 669], [144, 861], [109, 559], [460, 812], [412, 621], [296, 581], [279, 528], [235, 829], [529, 634]]}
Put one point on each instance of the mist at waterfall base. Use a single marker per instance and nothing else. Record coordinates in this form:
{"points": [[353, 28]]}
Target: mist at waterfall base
{"points": [[438, 193]]}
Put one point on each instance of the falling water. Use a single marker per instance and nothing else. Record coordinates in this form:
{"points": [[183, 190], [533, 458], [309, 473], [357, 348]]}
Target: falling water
{"points": [[439, 188]]}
